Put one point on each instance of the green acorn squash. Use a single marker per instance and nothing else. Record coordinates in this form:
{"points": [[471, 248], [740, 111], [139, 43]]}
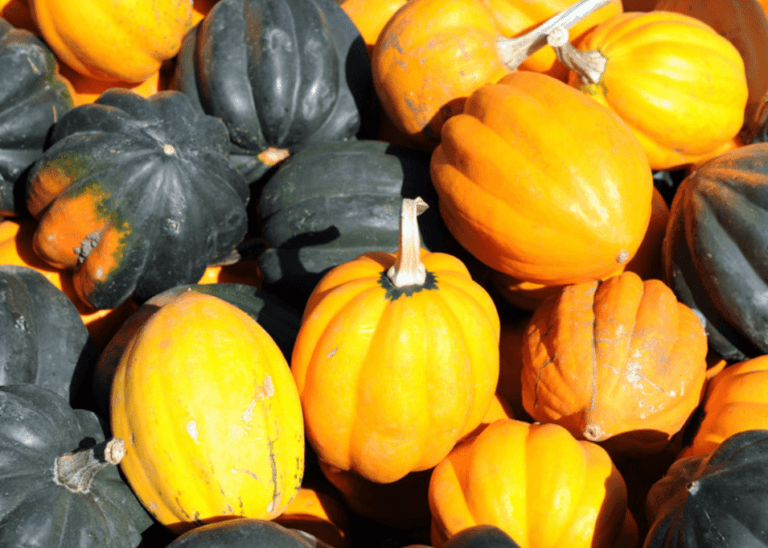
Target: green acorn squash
{"points": [[714, 251], [719, 500], [282, 74], [332, 202], [136, 195], [57, 486]]}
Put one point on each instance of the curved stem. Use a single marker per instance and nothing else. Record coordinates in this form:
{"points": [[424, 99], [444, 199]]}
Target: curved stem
{"points": [[589, 65], [408, 268], [76, 470], [513, 51]]}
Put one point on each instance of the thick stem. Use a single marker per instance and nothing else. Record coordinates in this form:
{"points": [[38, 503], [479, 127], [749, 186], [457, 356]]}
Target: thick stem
{"points": [[589, 65], [76, 470], [513, 51], [408, 268]]}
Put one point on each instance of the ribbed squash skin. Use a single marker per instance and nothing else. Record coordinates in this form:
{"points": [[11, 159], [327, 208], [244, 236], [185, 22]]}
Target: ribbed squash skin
{"points": [[619, 361], [30, 102], [210, 414], [744, 24], [736, 400], [126, 40], [715, 500], [714, 250], [39, 426], [527, 198], [434, 347], [136, 195], [678, 84], [281, 74], [332, 202], [537, 483]]}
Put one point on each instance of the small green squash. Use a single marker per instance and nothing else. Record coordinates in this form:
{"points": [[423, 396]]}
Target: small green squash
{"points": [[58, 483], [136, 195], [332, 202]]}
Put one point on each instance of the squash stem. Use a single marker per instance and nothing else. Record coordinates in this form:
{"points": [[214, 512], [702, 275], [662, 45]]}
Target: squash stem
{"points": [[513, 51], [76, 470], [589, 65], [408, 268]]}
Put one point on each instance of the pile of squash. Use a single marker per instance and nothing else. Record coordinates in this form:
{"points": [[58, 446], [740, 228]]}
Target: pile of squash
{"points": [[383, 273]]}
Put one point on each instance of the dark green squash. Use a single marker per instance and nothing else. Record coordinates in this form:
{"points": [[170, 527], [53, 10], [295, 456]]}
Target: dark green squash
{"points": [[32, 98], [332, 202], [246, 533], [50, 498], [282, 74], [481, 536], [278, 319], [718, 500], [43, 339], [715, 252], [136, 195]]}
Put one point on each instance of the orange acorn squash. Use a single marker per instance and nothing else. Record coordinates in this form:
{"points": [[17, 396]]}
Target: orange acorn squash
{"points": [[619, 361], [736, 400], [552, 203], [406, 346], [744, 24], [431, 55], [673, 79], [210, 414], [535, 482], [126, 40]]}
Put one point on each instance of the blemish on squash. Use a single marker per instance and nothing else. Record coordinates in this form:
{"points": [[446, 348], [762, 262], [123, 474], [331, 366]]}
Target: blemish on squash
{"points": [[266, 389], [623, 256], [332, 353], [192, 430], [249, 412]]}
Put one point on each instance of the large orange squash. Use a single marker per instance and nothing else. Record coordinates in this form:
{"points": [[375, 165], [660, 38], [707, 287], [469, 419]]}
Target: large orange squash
{"points": [[673, 79], [736, 400], [542, 183], [406, 348], [432, 54], [646, 263], [619, 361], [126, 40], [207, 406], [536, 482]]}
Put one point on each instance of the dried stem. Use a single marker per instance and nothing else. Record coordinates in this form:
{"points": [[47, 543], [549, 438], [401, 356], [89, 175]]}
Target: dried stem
{"points": [[76, 470], [513, 51], [408, 268], [589, 65]]}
